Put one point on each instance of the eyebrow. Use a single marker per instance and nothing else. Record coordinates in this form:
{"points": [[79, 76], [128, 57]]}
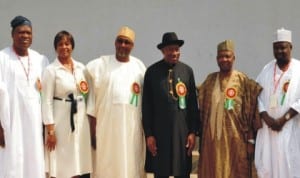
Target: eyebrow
{"points": [[122, 40]]}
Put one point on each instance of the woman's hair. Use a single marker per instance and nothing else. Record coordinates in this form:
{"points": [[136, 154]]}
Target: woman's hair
{"points": [[63, 34]]}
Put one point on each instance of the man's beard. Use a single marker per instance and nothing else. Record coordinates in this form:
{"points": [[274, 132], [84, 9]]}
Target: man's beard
{"points": [[282, 61]]}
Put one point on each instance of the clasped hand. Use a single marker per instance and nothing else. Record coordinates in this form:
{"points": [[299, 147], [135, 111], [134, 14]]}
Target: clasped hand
{"points": [[274, 124]]}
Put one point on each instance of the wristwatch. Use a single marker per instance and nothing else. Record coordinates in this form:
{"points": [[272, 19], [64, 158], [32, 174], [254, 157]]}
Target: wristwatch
{"points": [[287, 116]]}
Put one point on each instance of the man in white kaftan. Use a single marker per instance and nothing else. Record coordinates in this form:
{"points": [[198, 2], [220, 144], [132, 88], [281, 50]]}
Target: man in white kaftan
{"points": [[20, 71], [277, 153], [116, 108]]}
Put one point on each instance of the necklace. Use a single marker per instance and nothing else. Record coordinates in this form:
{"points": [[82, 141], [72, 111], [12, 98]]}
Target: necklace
{"points": [[276, 82], [170, 84], [24, 69]]}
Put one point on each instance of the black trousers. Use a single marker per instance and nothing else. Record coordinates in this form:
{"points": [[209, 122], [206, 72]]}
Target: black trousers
{"points": [[85, 176], [157, 176]]}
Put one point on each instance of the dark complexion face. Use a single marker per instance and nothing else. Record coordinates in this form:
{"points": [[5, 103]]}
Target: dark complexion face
{"points": [[225, 60], [22, 39], [64, 49], [123, 47], [282, 52], [171, 53]]}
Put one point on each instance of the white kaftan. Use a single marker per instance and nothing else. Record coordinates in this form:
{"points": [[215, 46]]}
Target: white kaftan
{"points": [[5, 122], [72, 155], [120, 151], [25, 157], [277, 154]]}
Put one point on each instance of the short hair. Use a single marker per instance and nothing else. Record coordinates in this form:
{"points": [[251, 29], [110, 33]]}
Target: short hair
{"points": [[63, 34]]}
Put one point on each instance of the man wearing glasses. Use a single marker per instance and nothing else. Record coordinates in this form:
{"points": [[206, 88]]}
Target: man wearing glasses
{"points": [[114, 109]]}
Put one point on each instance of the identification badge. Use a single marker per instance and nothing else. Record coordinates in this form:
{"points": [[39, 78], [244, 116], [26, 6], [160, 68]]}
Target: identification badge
{"points": [[273, 101], [181, 93]]}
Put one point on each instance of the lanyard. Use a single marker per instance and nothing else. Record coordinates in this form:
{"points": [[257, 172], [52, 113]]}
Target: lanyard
{"points": [[28, 71], [276, 83]]}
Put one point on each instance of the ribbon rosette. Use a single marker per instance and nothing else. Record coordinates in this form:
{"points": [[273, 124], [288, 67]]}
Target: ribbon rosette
{"points": [[83, 88], [230, 95], [38, 86], [135, 94], [181, 93], [284, 90]]}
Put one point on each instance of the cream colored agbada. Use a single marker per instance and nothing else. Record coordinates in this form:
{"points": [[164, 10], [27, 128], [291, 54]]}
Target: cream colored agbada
{"points": [[120, 151]]}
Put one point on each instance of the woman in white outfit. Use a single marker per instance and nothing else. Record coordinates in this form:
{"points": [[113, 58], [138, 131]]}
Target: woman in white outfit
{"points": [[64, 91]]}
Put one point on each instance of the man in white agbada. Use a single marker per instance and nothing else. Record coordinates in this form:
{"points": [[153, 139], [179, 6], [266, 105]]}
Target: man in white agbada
{"points": [[277, 153], [20, 73], [115, 111]]}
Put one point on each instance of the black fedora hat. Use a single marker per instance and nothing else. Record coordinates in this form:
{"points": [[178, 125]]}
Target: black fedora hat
{"points": [[169, 38]]}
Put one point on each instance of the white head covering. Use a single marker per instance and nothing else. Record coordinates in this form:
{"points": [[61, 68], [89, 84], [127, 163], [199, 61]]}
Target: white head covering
{"points": [[283, 35]]}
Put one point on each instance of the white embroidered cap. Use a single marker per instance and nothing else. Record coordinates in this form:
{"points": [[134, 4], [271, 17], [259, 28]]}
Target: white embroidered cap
{"points": [[283, 35]]}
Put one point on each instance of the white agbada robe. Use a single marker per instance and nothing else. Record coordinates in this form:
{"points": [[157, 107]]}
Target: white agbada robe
{"points": [[5, 123], [72, 155], [121, 147], [26, 155], [277, 154]]}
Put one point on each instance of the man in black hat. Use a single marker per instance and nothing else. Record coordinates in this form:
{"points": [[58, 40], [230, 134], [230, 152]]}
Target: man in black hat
{"points": [[170, 112], [20, 73]]}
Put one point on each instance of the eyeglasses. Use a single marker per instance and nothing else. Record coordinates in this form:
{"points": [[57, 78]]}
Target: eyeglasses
{"points": [[170, 84], [121, 41]]}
